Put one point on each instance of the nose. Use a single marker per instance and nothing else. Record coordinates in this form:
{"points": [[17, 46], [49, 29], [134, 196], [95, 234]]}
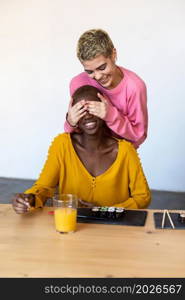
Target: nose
{"points": [[87, 116], [97, 75]]}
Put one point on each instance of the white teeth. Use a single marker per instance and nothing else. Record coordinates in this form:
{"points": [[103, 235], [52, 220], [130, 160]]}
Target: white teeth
{"points": [[90, 124]]}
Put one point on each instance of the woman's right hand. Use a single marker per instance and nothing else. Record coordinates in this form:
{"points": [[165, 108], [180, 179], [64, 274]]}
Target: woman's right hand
{"points": [[76, 112], [22, 202]]}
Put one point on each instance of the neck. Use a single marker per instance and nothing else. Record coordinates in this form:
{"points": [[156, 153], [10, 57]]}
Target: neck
{"points": [[117, 78], [93, 142]]}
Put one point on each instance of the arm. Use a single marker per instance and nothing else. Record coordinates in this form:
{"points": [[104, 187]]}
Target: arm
{"points": [[74, 112], [67, 127], [45, 186], [140, 195], [133, 126]]}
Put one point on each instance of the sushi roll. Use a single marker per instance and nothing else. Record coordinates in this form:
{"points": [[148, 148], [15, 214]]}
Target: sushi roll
{"points": [[182, 217], [96, 211], [103, 211], [111, 212], [119, 212]]}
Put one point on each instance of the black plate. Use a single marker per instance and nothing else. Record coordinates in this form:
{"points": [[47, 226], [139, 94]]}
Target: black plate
{"points": [[128, 217], [175, 218]]}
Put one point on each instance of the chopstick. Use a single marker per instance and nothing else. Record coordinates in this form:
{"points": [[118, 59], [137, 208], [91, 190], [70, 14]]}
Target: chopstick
{"points": [[163, 219], [164, 215], [171, 222]]}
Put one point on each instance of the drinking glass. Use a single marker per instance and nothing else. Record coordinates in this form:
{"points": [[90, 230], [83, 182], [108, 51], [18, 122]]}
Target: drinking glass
{"points": [[65, 212]]}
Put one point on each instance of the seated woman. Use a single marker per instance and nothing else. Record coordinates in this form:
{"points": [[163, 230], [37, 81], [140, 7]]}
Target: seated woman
{"points": [[91, 163]]}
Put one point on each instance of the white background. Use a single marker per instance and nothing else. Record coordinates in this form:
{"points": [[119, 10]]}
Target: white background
{"points": [[38, 58]]}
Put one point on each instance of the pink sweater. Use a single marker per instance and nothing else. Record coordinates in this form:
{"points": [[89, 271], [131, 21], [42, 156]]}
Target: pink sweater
{"points": [[127, 113]]}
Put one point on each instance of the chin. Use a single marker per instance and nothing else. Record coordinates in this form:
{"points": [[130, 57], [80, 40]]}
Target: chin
{"points": [[91, 132], [108, 84]]}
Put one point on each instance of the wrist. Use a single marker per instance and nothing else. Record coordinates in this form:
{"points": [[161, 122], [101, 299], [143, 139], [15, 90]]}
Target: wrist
{"points": [[31, 198], [110, 113], [69, 122]]}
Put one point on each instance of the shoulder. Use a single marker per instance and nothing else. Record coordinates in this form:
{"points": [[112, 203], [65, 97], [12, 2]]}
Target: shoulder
{"points": [[61, 139], [129, 156], [133, 80], [78, 81], [78, 78], [127, 148]]}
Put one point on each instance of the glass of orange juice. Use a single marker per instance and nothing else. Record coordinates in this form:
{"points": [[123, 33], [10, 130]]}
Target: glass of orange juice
{"points": [[65, 212]]}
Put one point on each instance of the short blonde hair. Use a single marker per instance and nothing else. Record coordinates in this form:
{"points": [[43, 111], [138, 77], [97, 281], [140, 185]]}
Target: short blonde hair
{"points": [[92, 43]]}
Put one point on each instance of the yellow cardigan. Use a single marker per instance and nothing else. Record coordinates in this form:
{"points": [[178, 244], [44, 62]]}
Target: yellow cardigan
{"points": [[122, 184]]}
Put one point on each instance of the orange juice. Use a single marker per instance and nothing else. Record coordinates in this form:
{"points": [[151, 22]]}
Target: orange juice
{"points": [[65, 219]]}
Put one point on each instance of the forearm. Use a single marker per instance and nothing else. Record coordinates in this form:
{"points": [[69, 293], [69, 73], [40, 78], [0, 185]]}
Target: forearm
{"points": [[129, 203], [41, 193], [136, 202], [45, 186], [132, 128], [131, 120], [139, 195], [68, 128]]}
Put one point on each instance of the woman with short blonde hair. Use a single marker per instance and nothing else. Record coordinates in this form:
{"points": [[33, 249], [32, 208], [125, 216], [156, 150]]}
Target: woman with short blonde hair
{"points": [[123, 105]]}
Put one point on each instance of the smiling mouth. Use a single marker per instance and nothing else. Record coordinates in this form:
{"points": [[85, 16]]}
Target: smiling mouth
{"points": [[90, 125], [104, 81]]}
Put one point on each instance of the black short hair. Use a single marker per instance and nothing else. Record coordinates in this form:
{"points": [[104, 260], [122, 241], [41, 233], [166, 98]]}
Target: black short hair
{"points": [[86, 92]]}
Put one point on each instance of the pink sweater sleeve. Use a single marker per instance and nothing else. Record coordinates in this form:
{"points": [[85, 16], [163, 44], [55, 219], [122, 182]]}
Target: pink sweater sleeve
{"points": [[67, 127], [132, 126]]}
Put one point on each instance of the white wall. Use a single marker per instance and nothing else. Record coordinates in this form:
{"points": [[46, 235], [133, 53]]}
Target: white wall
{"points": [[37, 59]]}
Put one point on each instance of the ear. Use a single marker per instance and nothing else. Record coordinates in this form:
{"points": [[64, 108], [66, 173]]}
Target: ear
{"points": [[114, 55]]}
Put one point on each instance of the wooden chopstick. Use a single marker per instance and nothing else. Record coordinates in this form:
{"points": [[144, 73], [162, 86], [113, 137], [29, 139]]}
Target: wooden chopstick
{"points": [[170, 219], [163, 219], [171, 222]]}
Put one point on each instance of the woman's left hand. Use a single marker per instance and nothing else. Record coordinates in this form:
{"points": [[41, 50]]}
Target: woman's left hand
{"points": [[96, 108]]}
